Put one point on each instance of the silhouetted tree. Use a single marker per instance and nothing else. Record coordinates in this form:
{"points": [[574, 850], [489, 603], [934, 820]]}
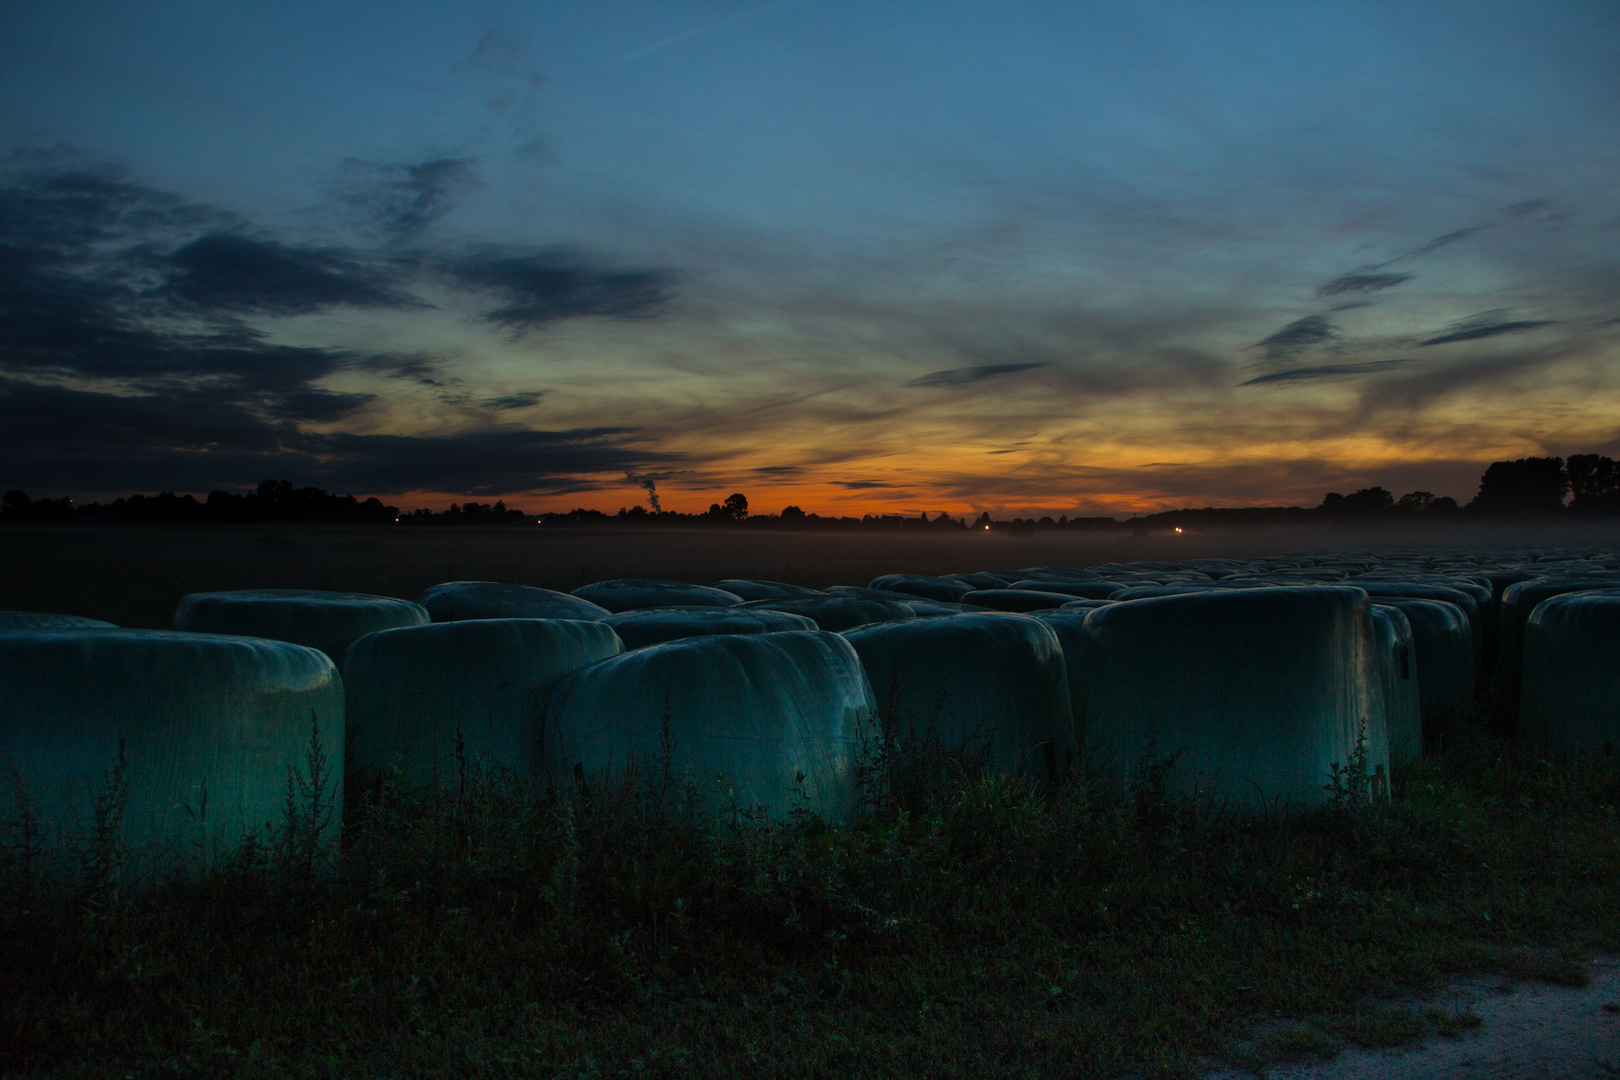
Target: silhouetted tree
{"points": [[736, 506], [1594, 480], [1415, 502], [792, 515], [1368, 502], [1525, 486]]}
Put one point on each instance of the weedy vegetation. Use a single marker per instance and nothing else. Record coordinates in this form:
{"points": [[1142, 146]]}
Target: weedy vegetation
{"points": [[960, 924]]}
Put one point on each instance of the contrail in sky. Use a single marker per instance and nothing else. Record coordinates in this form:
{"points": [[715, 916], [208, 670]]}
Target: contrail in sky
{"points": [[696, 31]]}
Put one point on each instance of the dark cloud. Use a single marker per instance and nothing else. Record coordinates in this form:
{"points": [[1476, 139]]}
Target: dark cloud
{"points": [[66, 439], [403, 200], [514, 401], [238, 274], [970, 375], [1526, 208], [1296, 337], [546, 286], [862, 485], [1328, 372], [1441, 241], [1485, 324], [1361, 283]]}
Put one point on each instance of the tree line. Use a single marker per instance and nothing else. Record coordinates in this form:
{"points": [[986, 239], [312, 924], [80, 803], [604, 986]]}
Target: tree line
{"points": [[1531, 487]]}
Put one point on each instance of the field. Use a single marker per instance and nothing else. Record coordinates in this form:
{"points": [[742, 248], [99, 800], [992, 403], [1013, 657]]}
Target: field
{"points": [[963, 926]]}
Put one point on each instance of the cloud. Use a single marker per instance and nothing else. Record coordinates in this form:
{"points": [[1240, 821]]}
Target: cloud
{"points": [[1441, 241], [238, 274], [68, 439], [1361, 283], [862, 485], [403, 200], [1526, 208], [546, 286], [1297, 336], [970, 375], [1485, 324], [514, 401], [1328, 372]]}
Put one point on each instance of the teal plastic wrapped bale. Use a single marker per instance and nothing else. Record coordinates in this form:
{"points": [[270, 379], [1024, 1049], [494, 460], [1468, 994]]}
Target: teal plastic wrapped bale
{"points": [[837, 613], [1016, 600], [654, 626], [928, 588], [1445, 660], [457, 600], [1145, 592], [209, 727], [1570, 697], [1518, 601], [1403, 712], [993, 677], [761, 710], [1081, 590], [921, 608], [765, 590], [983, 579], [1261, 692], [1464, 599], [44, 620], [1066, 623], [328, 621], [414, 691], [632, 594]]}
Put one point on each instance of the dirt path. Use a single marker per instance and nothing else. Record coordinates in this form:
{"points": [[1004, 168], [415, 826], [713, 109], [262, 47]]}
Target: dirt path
{"points": [[1538, 1030]]}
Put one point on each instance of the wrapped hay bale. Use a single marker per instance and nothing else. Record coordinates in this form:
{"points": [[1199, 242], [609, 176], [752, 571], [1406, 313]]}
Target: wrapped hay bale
{"points": [[327, 621], [778, 715], [206, 728], [418, 695], [457, 600]]}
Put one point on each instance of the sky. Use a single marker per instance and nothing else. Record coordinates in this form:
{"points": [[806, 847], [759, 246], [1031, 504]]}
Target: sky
{"points": [[1060, 258]]}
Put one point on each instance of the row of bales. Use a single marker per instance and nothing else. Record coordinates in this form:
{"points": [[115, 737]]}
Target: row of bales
{"points": [[1270, 682]]}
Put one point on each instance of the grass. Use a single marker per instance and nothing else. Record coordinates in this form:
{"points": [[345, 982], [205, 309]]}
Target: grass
{"points": [[962, 925]]}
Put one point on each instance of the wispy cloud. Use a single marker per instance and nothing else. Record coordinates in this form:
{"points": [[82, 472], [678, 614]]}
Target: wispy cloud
{"points": [[969, 375], [1361, 283], [1328, 372], [402, 201], [1485, 324], [1296, 337], [542, 287]]}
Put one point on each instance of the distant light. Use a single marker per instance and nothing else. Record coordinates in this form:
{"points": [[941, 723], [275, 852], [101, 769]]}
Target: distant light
{"points": [[987, 528], [1178, 528]]}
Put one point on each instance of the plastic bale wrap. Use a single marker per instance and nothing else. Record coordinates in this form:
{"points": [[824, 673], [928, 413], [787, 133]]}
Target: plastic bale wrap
{"points": [[632, 594], [765, 590], [995, 677], [1518, 601], [837, 613], [929, 588], [983, 579], [654, 626], [1412, 590], [1066, 623], [1262, 692], [1570, 696], [921, 608], [1445, 660], [44, 620], [209, 727], [1146, 592], [1402, 704], [414, 692], [1016, 600], [457, 600], [328, 621], [761, 710], [1081, 590]]}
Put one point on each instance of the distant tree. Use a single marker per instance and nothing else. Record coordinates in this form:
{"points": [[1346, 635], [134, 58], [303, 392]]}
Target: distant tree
{"points": [[15, 504], [1594, 480], [1368, 502], [736, 506], [792, 515], [1523, 486], [1415, 502], [982, 522]]}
